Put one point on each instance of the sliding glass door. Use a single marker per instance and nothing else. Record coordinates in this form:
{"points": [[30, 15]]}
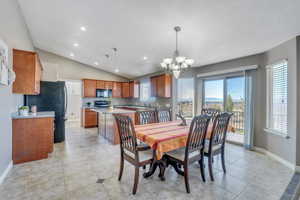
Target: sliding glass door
{"points": [[227, 94], [214, 94], [235, 103]]}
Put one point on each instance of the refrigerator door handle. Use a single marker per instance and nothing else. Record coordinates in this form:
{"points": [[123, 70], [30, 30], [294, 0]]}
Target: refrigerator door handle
{"points": [[66, 101]]}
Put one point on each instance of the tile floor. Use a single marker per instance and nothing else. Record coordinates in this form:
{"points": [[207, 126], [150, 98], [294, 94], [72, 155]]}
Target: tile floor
{"points": [[72, 172]]}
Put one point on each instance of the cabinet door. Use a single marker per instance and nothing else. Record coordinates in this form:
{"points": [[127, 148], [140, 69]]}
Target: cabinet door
{"points": [[168, 86], [117, 90], [89, 87], [91, 118], [125, 90], [160, 87], [134, 89], [100, 84], [38, 74], [108, 85], [24, 67], [153, 86]]}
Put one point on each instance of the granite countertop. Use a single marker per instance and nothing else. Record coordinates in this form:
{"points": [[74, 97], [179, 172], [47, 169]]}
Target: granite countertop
{"points": [[112, 111], [31, 115]]}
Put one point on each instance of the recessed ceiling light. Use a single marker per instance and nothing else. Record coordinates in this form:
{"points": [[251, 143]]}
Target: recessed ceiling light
{"points": [[72, 54], [116, 70], [75, 44], [96, 63], [145, 57], [83, 28]]}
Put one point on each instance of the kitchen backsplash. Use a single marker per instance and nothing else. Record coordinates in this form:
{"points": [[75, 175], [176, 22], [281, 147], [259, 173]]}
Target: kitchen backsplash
{"points": [[152, 102], [114, 101]]}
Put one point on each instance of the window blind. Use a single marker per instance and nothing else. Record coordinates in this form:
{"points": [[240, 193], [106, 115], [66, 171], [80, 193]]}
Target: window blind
{"points": [[277, 91]]}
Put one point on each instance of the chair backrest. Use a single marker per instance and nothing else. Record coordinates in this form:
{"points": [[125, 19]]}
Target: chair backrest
{"points": [[146, 117], [219, 130], [211, 112], [197, 134], [126, 133], [163, 115]]}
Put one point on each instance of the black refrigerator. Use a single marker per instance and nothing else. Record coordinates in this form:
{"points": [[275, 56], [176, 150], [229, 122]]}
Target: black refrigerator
{"points": [[52, 97]]}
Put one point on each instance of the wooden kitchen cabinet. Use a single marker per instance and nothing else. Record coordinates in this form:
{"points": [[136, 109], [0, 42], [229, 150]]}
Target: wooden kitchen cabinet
{"points": [[89, 88], [134, 89], [117, 90], [28, 69], [153, 82], [125, 90], [108, 85], [89, 118], [161, 86], [100, 84], [32, 139]]}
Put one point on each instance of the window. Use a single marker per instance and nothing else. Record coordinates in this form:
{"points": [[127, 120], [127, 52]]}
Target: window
{"points": [[214, 94], [185, 96], [277, 88], [145, 91]]}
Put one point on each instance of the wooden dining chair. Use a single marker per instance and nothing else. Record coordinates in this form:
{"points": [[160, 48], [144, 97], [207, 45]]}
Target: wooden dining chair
{"points": [[163, 115], [146, 117], [211, 112], [216, 144], [193, 151], [137, 155]]}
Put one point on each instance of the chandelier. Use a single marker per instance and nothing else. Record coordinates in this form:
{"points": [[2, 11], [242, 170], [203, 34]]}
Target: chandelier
{"points": [[178, 63]]}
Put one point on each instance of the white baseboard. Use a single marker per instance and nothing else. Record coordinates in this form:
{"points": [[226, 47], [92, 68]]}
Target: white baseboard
{"points": [[6, 171], [277, 158]]}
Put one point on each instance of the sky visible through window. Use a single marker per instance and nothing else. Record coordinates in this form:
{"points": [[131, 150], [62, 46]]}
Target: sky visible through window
{"points": [[214, 89]]}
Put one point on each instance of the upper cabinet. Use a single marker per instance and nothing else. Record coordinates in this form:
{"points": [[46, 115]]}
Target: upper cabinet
{"points": [[125, 90], [108, 85], [161, 86], [100, 84], [134, 89], [28, 69], [117, 90], [89, 87], [153, 81]]}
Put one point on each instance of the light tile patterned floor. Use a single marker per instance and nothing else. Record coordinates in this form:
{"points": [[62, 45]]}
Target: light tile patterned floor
{"points": [[73, 169]]}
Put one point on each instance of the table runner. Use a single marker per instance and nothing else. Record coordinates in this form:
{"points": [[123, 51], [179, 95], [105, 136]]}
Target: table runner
{"points": [[164, 137]]}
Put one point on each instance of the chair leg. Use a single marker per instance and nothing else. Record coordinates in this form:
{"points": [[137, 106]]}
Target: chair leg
{"points": [[136, 180], [186, 178], [121, 168], [202, 169], [210, 167], [223, 161]]}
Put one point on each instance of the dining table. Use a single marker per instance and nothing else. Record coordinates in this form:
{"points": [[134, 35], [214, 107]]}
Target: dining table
{"points": [[162, 138]]}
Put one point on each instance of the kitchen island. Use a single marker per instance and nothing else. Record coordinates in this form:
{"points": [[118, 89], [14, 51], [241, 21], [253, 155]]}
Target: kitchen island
{"points": [[107, 126]]}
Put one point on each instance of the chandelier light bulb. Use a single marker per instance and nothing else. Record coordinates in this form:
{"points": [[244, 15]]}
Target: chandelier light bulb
{"points": [[168, 60], [184, 65], [189, 61], [163, 65], [180, 59]]}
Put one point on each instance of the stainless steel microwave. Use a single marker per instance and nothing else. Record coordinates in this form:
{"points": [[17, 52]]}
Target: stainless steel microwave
{"points": [[103, 93]]}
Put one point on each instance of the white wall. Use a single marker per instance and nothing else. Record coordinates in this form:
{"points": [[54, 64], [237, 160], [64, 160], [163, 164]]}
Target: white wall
{"points": [[60, 68], [14, 32]]}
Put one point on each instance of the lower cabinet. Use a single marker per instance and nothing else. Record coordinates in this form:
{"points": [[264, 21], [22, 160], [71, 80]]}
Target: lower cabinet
{"points": [[89, 118], [32, 139]]}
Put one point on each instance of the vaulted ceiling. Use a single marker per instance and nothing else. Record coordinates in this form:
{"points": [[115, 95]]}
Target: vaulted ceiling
{"points": [[212, 31]]}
